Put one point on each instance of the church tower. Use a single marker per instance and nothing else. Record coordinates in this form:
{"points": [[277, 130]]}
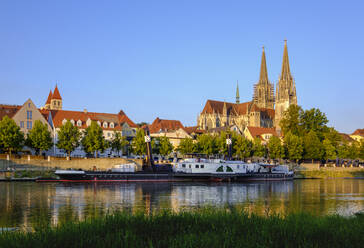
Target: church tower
{"points": [[237, 93], [264, 90], [285, 90], [56, 101]]}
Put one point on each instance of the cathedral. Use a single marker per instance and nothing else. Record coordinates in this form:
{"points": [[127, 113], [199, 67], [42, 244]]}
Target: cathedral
{"points": [[264, 110]]}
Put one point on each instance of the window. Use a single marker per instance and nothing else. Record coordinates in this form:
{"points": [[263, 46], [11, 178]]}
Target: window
{"points": [[197, 166], [28, 104], [202, 166], [29, 115], [111, 125], [29, 125], [108, 134], [183, 166], [105, 124], [22, 124], [189, 166], [79, 123]]}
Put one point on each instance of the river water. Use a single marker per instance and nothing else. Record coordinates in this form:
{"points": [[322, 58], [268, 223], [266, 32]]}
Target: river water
{"points": [[26, 204]]}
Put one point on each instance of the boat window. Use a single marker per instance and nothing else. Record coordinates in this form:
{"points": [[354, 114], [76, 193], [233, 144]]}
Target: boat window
{"points": [[197, 166], [183, 166], [238, 166], [202, 166], [189, 166]]}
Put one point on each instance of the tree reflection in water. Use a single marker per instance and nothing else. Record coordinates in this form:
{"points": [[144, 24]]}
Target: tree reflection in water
{"points": [[37, 204]]}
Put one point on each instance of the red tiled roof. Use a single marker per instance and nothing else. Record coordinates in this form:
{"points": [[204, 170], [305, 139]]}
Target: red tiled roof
{"points": [[9, 110], [346, 137], [213, 106], [56, 94], [165, 125], [83, 116], [359, 132], [257, 131], [193, 129], [49, 97]]}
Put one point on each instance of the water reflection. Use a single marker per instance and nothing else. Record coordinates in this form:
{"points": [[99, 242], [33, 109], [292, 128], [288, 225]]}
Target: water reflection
{"points": [[37, 204]]}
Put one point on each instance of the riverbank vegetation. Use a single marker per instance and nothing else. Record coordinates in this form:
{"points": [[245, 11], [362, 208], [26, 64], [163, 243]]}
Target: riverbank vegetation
{"points": [[202, 228]]}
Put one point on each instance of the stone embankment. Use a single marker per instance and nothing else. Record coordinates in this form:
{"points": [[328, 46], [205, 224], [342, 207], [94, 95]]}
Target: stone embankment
{"points": [[39, 162], [315, 171]]}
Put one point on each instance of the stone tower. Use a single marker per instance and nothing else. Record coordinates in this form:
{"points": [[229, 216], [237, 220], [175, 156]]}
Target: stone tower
{"points": [[56, 101], [237, 93], [263, 90], [285, 90]]}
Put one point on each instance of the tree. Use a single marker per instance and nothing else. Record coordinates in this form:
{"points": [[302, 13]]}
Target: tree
{"points": [[118, 142], [329, 149], [166, 146], [206, 144], [68, 138], [138, 143], [243, 147], [361, 150], [314, 120], [186, 146], [293, 146], [222, 147], [11, 138], [275, 148], [343, 150], [291, 121], [39, 138], [93, 139], [354, 150], [312, 146], [259, 149]]}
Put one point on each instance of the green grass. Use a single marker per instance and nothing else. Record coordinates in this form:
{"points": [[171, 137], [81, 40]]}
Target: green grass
{"points": [[330, 173], [34, 174], [203, 228]]}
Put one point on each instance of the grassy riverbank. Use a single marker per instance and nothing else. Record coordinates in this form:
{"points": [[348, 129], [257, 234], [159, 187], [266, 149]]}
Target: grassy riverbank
{"points": [[204, 228], [331, 173]]}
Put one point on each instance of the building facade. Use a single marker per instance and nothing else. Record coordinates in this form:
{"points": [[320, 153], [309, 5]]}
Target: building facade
{"points": [[264, 111]]}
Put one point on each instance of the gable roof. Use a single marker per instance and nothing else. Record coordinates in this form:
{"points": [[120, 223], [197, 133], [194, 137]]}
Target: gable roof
{"points": [[9, 110], [49, 98], [257, 131], [359, 132], [193, 129], [165, 125]]}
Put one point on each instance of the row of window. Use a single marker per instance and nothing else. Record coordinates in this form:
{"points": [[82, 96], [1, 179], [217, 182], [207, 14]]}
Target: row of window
{"points": [[197, 166], [79, 123], [29, 124]]}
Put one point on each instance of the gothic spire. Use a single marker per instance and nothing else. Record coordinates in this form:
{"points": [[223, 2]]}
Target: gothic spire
{"points": [[237, 93], [263, 78], [286, 73]]}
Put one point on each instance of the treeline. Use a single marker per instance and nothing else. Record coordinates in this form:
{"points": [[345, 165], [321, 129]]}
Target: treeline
{"points": [[39, 138]]}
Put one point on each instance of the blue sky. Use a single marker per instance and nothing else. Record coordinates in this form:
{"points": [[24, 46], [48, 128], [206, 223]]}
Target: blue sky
{"points": [[166, 58]]}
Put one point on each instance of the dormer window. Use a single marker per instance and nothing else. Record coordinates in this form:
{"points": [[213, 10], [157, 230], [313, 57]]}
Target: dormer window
{"points": [[111, 125], [105, 125], [79, 123], [73, 122], [99, 123], [88, 122], [64, 121]]}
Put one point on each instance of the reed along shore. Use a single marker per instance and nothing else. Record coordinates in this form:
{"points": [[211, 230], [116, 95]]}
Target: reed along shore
{"points": [[200, 228]]}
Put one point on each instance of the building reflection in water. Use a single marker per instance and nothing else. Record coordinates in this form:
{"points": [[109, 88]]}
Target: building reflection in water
{"points": [[32, 204]]}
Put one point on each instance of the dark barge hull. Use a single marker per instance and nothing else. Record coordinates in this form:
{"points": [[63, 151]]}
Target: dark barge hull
{"points": [[115, 177]]}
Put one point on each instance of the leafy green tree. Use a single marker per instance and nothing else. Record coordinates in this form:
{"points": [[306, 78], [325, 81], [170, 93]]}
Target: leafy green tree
{"points": [[206, 144], [166, 146], [312, 146], [93, 139], [11, 138], [118, 142], [333, 136], [275, 148], [354, 150], [186, 146], [293, 146], [156, 146], [39, 138], [329, 148], [361, 150], [314, 120], [291, 121], [243, 147], [221, 145], [68, 138], [138, 143], [259, 150], [343, 150]]}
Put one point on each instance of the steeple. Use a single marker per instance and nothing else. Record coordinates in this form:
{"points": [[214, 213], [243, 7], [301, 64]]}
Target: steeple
{"points": [[56, 101], [286, 72], [263, 77], [263, 90], [237, 93], [49, 97]]}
